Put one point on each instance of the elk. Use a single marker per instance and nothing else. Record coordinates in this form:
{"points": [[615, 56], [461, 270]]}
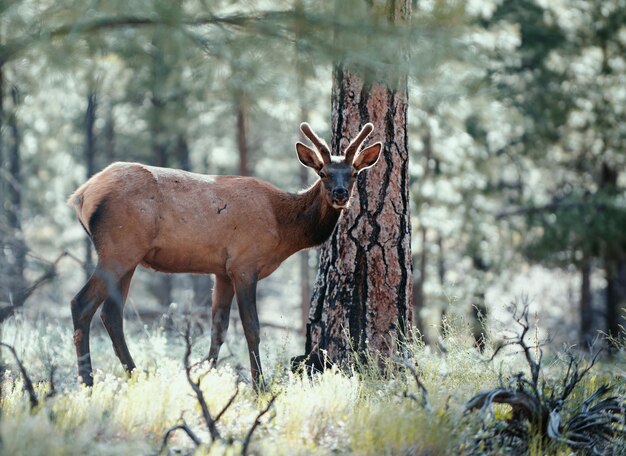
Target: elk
{"points": [[238, 228]]}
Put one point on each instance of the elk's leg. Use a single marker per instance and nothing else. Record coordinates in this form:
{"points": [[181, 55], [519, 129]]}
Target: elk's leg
{"points": [[112, 316], [220, 313], [245, 288], [84, 306]]}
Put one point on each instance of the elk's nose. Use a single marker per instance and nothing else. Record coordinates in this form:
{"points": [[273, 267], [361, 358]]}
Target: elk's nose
{"points": [[340, 194]]}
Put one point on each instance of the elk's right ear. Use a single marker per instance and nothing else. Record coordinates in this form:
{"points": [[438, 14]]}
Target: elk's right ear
{"points": [[367, 157], [308, 157]]}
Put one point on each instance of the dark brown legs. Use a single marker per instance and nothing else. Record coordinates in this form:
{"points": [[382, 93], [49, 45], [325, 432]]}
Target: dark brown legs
{"points": [[84, 306], [245, 288], [112, 289], [102, 285], [112, 316], [220, 312]]}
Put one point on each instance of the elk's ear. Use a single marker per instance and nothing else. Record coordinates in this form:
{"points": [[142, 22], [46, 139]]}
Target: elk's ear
{"points": [[367, 157], [308, 157]]}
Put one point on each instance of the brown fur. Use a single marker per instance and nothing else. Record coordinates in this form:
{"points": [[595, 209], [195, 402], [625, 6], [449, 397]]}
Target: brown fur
{"points": [[185, 222], [238, 228]]}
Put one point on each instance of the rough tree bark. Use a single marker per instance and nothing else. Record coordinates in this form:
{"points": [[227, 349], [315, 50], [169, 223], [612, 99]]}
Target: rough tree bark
{"points": [[362, 298]]}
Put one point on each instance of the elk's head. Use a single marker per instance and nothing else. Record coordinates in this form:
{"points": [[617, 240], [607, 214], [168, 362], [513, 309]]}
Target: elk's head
{"points": [[338, 173]]}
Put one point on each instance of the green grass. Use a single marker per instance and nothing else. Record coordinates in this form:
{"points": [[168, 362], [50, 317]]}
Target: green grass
{"points": [[364, 411]]}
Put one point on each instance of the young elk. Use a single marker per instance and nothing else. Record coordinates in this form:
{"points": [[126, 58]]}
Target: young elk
{"points": [[238, 228]]}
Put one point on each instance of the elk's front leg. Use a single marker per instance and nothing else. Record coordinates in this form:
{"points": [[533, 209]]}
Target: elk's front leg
{"points": [[220, 312], [245, 288]]}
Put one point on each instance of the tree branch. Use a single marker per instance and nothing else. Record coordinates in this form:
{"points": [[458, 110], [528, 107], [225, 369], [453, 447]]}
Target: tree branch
{"points": [[28, 384], [257, 421]]}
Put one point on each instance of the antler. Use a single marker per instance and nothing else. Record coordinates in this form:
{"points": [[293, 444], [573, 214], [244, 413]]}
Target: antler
{"points": [[320, 145], [355, 144]]}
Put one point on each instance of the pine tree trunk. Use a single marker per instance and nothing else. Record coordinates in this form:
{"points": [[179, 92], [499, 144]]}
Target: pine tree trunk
{"points": [[3, 185], [160, 143], [586, 312], [90, 165], [242, 138], [109, 135], [362, 298], [615, 297], [419, 297], [16, 240]]}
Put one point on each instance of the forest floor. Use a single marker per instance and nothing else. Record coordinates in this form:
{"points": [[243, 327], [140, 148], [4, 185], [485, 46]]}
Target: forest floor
{"points": [[416, 404]]}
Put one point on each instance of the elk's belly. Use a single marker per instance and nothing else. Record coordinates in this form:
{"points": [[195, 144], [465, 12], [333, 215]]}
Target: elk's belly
{"points": [[166, 260]]}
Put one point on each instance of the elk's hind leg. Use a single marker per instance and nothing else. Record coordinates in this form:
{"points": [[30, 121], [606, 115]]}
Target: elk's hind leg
{"points": [[84, 306], [220, 311], [112, 316]]}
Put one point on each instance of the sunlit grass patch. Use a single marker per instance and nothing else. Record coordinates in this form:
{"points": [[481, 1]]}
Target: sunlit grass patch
{"points": [[372, 408], [314, 412]]}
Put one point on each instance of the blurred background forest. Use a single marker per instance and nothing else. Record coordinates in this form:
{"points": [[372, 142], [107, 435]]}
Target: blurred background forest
{"points": [[516, 132]]}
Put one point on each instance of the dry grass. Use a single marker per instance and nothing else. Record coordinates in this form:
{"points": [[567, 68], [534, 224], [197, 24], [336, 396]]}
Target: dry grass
{"points": [[362, 411]]}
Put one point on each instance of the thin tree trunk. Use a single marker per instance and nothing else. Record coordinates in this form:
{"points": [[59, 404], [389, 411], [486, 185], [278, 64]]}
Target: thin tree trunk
{"points": [[242, 138], [182, 149], [586, 312], [441, 274], [419, 298], [109, 135], [614, 265], [362, 298], [3, 190], [615, 297], [90, 166], [201, 284], [14, 198], [163, 285], [478, 312]]}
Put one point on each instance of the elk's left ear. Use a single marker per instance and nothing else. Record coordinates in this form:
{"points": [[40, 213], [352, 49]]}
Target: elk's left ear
{"points": [[308, 157], [367, 157]]}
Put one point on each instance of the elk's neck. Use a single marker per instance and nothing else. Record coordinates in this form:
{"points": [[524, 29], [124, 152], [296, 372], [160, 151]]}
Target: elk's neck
{"points": [[306, 219]]}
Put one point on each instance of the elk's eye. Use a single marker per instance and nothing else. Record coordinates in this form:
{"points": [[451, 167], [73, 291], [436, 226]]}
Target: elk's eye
{"points": [[322, 174]]}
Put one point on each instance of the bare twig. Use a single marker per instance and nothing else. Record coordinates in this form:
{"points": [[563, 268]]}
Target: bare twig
{"points": [[28, 384], [19, 298], [51, 372], [228, 404], [195, 386], [420, 385], [183, 427], [257, 421]]}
